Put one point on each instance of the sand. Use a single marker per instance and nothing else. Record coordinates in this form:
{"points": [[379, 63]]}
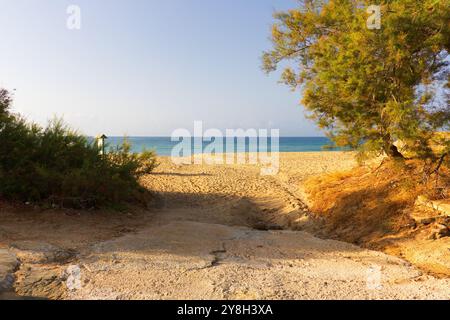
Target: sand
{"points": [[219, 232]]}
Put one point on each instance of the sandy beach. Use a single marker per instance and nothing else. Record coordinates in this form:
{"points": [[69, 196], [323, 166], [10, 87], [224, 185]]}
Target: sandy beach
{"points": [[225, 150], [215, 232]]}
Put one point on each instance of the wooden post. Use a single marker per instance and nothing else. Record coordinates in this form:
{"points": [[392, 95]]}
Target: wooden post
{"points": [[101, 143]]}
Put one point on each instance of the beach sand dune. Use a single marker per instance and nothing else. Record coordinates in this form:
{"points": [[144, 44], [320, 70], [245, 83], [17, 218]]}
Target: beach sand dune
{"points": [[226, 232], [238, 194], [215, 239]]}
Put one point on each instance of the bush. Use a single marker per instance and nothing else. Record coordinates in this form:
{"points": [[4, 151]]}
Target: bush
{"points": [[139, 163], [59, 166]]}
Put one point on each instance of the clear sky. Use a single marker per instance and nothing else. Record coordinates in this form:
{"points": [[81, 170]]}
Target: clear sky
{"points": [[146, 67]]}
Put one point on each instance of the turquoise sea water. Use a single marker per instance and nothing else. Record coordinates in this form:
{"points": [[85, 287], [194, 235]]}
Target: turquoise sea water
{"points": [[164, 145]]}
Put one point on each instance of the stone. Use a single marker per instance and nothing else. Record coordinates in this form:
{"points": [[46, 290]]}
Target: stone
{"points": [[428, 211], [7, 282], [441, 206], [72, 275], [439, 231], [8, 265]]}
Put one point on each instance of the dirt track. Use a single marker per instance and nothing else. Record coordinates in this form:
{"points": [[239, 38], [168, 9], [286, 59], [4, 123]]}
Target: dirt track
{"points": [[211, 240], [203, 244]]}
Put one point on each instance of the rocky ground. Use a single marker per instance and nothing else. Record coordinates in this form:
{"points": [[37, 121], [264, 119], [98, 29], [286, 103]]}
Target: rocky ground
{"points": [[191, 260], [220, 232]]}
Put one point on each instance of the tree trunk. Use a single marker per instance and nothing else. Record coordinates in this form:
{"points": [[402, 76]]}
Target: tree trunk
{"points": [[392, 152]]}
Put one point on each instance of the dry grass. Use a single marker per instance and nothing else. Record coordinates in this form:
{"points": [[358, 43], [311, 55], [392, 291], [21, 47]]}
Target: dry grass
{"points": [[366, 205]]}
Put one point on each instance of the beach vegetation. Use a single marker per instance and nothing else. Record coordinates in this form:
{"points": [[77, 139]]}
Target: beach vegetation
{"points": [[389, 208], [60, 167]]}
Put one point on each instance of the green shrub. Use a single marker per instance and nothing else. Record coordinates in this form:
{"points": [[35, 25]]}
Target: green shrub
{"points": [[58, 166], [139, 163]]}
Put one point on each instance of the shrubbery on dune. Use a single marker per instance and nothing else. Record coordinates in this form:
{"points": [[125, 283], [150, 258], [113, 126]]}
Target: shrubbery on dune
{"points": [[58, 166]]}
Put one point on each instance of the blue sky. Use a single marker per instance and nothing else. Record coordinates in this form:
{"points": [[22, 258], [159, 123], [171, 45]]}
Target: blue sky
{"points": [[147, 67]]}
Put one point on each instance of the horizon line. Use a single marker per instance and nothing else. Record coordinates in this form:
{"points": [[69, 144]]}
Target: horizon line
{"points": [[164, 136]]}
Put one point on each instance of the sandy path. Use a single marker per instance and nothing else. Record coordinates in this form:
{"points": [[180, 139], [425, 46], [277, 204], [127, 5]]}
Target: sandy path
{"points": [[188, 260], [203, 243]]}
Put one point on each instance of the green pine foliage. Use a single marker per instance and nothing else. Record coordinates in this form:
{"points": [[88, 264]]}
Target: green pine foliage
{"points": [[368, 88]]}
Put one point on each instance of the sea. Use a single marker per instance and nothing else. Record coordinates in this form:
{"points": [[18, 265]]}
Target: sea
{"points": [[163, 146]]}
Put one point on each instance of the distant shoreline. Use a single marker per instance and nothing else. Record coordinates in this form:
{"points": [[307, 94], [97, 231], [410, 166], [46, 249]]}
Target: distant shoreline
{"points": [[168, 137], [163, 146], [292, 153]]}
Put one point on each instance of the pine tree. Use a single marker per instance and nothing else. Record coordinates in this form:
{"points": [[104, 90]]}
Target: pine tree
{"points": [[368, 88]]}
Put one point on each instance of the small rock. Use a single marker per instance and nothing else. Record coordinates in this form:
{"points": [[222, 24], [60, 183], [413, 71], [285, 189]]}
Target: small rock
{"points": [[423, 215], [440, 206], [439, 231], [73, 277], [7, 282]]}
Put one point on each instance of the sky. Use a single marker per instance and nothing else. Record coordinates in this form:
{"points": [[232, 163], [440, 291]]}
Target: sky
{"points": [[147, 67]]}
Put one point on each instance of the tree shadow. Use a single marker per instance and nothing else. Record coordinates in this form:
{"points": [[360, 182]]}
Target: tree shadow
{"points": [[201, 225]]}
